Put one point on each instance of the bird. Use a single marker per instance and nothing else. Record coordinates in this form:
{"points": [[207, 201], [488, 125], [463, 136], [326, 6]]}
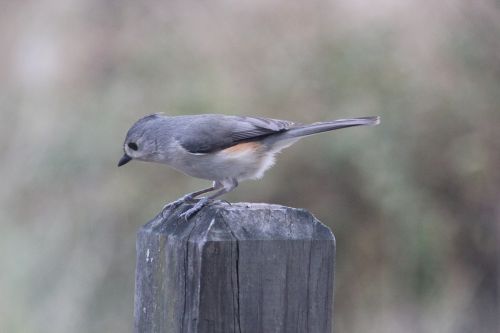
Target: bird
{"points": [[224, 149]]}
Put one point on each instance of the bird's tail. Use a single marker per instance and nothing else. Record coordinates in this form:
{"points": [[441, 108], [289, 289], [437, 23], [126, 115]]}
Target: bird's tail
{"points": [[305, 130], [310, 129], [288, 137]]}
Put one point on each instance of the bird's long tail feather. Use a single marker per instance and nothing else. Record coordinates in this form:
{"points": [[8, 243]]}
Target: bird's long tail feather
{"points": [[305, 130], [279, 141]]}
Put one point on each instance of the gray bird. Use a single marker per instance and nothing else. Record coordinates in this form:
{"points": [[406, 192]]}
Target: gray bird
{"points": [[220, 148]]}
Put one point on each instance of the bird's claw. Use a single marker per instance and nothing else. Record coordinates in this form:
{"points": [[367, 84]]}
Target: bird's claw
{"points": [[195, 209], [188, 198], [173, 204]]}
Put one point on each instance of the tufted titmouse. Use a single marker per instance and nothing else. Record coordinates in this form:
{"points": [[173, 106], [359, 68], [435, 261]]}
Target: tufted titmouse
{"points": [[224, 149]]}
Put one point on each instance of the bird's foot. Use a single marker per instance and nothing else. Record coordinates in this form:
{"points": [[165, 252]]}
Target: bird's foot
{"points": [[195, 209], [188, 198]]}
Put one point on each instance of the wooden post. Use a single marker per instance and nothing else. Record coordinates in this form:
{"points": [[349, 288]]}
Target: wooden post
{"points": [[234, 268]]}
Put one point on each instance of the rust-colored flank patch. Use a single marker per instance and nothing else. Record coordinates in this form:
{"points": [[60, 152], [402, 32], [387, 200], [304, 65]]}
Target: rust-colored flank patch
{"points": [[243, 147]]}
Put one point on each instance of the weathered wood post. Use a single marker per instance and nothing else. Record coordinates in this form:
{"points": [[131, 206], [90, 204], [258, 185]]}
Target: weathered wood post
{"points": [[235, 268]]}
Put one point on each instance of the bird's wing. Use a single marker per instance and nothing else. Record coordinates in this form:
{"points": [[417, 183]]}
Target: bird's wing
{"points": [[209, 133]]}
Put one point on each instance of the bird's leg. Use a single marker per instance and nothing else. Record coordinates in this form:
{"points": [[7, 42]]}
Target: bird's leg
{"points": [[227, 186], [191, 197]]}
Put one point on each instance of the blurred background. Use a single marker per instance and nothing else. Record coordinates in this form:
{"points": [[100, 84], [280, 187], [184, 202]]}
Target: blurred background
{"points": [[414, 203]]}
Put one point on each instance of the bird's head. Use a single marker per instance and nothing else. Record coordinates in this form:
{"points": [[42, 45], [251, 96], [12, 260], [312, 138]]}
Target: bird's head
{"points": [[141, 142]]}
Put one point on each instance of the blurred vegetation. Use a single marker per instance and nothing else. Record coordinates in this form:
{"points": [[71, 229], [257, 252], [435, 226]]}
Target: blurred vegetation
{"points": [[414, 203]]}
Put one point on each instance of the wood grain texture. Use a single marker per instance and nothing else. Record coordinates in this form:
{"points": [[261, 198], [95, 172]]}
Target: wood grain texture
{"points": [[234, 268]]}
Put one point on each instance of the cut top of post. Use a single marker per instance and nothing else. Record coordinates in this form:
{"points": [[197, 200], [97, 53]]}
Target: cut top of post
{"points": [[221, 221]]}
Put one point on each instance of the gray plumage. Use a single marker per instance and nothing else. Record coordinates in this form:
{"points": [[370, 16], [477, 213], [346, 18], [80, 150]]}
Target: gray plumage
{"points": [[224, 149]]}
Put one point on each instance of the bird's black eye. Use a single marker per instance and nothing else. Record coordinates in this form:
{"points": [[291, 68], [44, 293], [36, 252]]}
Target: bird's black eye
{"points": [[132, 145]]}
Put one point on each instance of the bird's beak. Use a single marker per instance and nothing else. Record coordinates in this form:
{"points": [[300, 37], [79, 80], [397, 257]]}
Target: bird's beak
{"points": [[124, 160]]}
